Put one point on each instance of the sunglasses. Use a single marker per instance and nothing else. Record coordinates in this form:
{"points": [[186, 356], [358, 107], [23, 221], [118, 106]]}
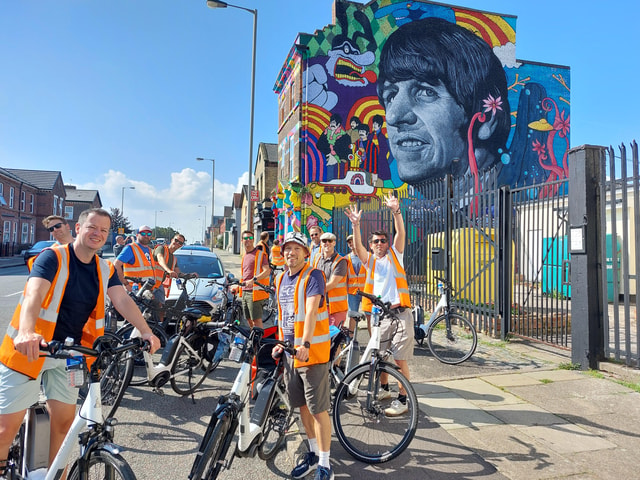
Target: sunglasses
{"points": [[326, 240], [55, 227], [247, 238], [379, 240], [178, 242], [145, 234]]}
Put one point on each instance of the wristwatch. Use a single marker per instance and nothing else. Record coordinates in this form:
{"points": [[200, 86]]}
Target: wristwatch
{"points": [[255, 279], [306, 345]]}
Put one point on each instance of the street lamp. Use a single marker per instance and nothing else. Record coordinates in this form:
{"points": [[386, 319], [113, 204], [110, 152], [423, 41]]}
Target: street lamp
{"points": [[213, 186], [155, 225], [204, 222], [220, 4], [122, 202]]}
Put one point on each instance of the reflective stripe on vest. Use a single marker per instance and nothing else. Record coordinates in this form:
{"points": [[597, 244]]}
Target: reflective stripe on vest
{"points": [[320, 344], [398, 274], [141, 266], [355, 281], [276, 256], [258, 294], [48, 316]]}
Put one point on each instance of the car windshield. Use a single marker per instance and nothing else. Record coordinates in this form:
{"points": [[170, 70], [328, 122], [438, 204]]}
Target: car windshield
{"points": [[205, 267]]}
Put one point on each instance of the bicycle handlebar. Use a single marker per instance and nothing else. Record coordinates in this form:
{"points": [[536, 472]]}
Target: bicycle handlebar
{"points": [[58, 349], [233, 327], [385, 306]]}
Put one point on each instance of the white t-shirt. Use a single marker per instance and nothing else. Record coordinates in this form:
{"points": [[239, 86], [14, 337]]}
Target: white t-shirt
{"points": [[384, 283]]}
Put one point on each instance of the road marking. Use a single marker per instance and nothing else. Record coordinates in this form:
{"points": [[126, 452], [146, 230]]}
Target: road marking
{"points": [[14, 294]]}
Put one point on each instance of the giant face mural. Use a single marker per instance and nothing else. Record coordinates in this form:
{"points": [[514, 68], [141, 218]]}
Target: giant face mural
{"points": [[398, 93]]}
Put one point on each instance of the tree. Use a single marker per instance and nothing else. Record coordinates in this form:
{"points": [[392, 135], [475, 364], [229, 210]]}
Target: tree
{"points": [[118, 221]]}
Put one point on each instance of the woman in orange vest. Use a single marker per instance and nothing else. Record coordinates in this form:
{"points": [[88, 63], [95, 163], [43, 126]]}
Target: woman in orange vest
{"points": [[386, 278]]}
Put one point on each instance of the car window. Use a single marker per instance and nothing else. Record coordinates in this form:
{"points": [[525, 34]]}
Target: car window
{"points": [[205, 267]]}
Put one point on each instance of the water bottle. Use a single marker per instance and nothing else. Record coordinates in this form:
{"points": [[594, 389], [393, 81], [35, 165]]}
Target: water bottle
{"points": [[236, 348], [134, 288], [178, 283], [74, 368], [440, 288], [222, 349], [375, 314]]}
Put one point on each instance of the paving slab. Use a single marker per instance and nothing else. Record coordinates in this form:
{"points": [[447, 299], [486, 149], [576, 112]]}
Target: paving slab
{"points": [[568, 438], [524, 415], [451, 411], [479, 392]]}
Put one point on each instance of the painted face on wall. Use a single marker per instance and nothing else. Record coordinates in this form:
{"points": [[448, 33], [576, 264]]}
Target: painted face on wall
{"points": [[424, 125]]}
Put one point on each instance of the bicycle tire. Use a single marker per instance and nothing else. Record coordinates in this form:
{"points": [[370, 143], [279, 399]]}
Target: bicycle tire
{"points": [[455, 344], [139, 374], [115, 379], [103, 465], [212, 457], [275, 427], [16, 454], [190, 368], [367, 434]]}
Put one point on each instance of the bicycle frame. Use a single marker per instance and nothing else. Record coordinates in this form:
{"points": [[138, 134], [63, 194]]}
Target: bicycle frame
{"points": [[443, 304]]}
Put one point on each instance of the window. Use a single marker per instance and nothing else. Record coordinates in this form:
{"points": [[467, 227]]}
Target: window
{"points": [[32, 235], [55, 205], [23, 200], [25, 233], [68, 212], [14, 237], [11, 193], [31, 203], [6, 232]]}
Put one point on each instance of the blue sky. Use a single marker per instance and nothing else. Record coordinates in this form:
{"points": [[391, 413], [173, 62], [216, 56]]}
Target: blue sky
{"points": [[130, 92]]}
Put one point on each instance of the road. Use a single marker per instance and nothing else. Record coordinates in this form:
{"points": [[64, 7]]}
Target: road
{"points": [[160, 434]]}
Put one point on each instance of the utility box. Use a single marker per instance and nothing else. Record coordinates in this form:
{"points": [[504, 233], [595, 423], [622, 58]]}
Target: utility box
{"points": [[437, 259]]}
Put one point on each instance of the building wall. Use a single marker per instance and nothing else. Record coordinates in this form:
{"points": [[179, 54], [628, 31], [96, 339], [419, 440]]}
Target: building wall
{"points": [[18, 216], [516, 120]]}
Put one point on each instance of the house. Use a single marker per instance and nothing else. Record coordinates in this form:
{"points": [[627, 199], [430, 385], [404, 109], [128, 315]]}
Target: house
{"points": [[79, 200]]}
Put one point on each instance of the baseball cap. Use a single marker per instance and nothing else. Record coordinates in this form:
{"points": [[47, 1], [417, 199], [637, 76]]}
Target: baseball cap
{"points": [[350, 237], [296, 237], [327, 236], [144, 228]]}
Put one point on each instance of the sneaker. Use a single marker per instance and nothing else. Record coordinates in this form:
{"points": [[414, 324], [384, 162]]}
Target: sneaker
{"points": [[323, 473], [309, 462], [384, 394], [396, 409]]}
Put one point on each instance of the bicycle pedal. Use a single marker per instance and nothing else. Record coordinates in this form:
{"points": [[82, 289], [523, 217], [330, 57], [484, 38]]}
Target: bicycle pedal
{"points": [[158, 391]]}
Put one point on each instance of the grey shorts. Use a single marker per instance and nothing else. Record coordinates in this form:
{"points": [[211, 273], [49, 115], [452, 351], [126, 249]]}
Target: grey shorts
{"points": [[18, 392], [250, 308], [399, 335], [308, 386]]}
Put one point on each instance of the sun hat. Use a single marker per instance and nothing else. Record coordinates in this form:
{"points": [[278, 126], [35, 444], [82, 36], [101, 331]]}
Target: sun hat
{"points": [[296, 237], [328, 236]]}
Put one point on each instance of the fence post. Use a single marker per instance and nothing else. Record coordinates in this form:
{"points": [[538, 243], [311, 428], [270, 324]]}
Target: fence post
{"points": [[587, 345], [505, 254]]}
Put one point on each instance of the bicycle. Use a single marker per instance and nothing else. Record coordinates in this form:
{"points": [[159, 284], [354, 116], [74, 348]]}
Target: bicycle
{"points": [[451, 338], [260, 432], [99, 457], [359, 421]]}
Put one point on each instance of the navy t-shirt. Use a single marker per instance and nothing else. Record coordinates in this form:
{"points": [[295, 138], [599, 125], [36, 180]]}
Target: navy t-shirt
{"points": [[80, 295], [315, 286]]}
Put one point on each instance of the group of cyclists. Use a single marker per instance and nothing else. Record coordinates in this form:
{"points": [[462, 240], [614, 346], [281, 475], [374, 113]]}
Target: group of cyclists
{"points": [[64, 297]]}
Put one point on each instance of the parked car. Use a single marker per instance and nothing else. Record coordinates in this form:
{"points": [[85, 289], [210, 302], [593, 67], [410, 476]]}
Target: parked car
{"points": [[207, 290], [36, 249], [195, 247]]}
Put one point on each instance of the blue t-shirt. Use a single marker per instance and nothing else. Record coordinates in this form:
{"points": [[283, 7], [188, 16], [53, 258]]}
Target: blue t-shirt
{"points": [[80, 295], [315, 286], [127, 256]]}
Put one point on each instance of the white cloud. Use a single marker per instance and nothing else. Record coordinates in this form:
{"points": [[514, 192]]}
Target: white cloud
{"points": [[507, 55]]}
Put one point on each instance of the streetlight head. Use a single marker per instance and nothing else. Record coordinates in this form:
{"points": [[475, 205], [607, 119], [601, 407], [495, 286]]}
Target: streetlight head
{"points": [[216, 4]]}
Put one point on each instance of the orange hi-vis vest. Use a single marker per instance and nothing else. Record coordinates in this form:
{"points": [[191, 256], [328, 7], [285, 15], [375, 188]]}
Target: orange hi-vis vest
{"points": [[320, 343], [337, 296], [258, 293], [398, 274], [141, 266], [46, 321], [276, 256], [160, 273], [355, 280]]}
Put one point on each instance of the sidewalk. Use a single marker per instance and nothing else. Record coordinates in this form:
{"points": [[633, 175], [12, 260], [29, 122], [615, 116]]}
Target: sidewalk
{"points": [[14, 261]]}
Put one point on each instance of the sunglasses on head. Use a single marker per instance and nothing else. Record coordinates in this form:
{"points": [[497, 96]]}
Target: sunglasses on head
{"points": [[379, 240], [54, 227], [145, 234], [327, 240], [247, 238]]}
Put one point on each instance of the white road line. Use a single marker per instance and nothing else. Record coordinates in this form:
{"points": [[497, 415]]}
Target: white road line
{"points": [[14, 294]]}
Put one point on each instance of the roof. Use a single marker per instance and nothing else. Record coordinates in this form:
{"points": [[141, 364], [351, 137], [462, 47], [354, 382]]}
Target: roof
{"points": [[43, 179], [272, 152], [75, 195], [237, 200]]}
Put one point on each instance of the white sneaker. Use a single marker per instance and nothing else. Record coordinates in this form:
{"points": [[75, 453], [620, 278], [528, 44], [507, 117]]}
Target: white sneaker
{"points": [[384, 394], [396, 409]]}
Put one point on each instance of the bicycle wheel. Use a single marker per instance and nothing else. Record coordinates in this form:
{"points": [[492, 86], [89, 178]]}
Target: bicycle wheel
{"points": [[189, 367], [103, 465], [139, 375], [454, 341], [275, 427], [115, 379], [362, 427], [212, 458]]}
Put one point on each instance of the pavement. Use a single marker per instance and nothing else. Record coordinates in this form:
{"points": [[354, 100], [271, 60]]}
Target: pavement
{"points": [[515, 410]]}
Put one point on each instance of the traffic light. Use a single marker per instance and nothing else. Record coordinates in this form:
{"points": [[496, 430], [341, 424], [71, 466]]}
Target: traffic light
{"points": [[267, 220]]}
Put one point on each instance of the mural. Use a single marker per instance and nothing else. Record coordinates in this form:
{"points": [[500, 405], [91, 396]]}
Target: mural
{"points": [[397, 93]]}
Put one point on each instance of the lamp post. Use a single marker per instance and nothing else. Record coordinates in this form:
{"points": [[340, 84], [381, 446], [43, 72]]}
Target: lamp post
{"points": [[155, 225], [204, 222], [220, 4], [122, 202], [213, 191]]}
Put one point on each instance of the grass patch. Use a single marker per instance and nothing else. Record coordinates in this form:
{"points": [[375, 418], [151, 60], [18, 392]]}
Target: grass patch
{"points": [[631, 385], [569, 366], [545, 380], [595, 373]]}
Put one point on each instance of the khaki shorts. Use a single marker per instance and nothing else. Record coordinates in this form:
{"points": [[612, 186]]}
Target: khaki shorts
{"points": [[250, 308], [308, 386], [398, 335], [18, 392]]}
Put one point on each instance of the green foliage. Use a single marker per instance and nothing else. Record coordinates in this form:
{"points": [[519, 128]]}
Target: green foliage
{"points": [[569, 366], [118, 221], [546, 380]]}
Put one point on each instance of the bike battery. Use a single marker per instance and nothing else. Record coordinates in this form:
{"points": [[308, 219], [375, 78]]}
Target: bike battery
{"points": [[260, 412], [170, 350], [37, 438]]}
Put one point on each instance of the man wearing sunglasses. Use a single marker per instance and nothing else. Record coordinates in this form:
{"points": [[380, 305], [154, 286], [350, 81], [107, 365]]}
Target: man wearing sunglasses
{"points": [[166, 263], [386, 278], [334, 267], [59, 229], [255, 269], [314, 247]]}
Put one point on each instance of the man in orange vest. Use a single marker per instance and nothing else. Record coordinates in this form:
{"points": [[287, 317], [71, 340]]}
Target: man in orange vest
{"points": [[386, 278], [304, 322], [64, 297], [255, 269], [166, 264], [277, 260], [334, 267], [355, 282]]}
